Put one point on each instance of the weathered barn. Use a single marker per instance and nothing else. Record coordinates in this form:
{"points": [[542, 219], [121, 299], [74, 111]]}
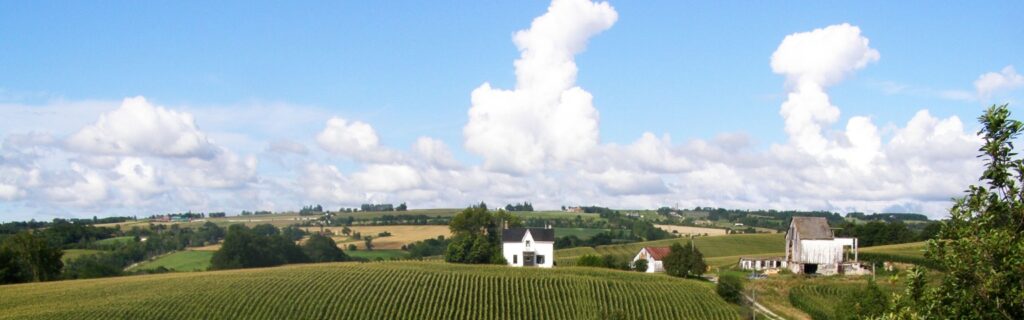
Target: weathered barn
{"points": [[529, 247], [811, 248]]}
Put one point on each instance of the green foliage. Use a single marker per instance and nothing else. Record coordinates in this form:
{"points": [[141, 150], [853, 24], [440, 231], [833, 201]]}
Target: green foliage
{"points": [[389, 290], [640, 265], [820, 301], [878, 233], [477, 235], [730, 288], [368, 243], [590, 260], [684, 261], [321, 248], [31, 257], [94, 266], [981, 246], [427, 248], [862, 303], [260, 246]]}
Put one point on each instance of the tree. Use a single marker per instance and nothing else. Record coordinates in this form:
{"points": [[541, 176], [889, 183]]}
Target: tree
{"points": [[10, 269], [95, 266], [730, 288], [321, 248], [640, 265], [684, 261], [402, 207], [368, 241], [477, 235], [35, 258], [981, 246], [252, 248]]}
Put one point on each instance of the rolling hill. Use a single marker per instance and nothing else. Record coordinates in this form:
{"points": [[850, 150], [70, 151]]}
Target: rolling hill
{"points": [[712, 247], [384, 290]]}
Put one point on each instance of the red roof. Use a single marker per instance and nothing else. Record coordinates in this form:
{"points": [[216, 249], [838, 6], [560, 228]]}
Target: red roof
{"points": [[658, 253]]}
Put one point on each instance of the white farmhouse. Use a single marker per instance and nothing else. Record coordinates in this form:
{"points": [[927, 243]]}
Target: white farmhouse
{"points": [[528, 247], [811, 247], [654, 257]]}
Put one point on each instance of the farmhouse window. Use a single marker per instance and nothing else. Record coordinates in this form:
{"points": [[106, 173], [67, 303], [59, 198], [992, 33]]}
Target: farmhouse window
{"points": [[515, 258], [527, 243], [540, 259]]}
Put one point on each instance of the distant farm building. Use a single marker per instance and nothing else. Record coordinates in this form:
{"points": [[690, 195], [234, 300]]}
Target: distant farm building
{"points": [[762, 263], [528, 247], [811, 248], [654, 257]]}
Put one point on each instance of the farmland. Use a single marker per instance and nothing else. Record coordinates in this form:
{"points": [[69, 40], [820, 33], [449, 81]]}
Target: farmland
{"points": [[388, 290], [711, 247], [685, 230], [400, 235], [582, 233], [188, 260], [72, 254], [375, 254]]}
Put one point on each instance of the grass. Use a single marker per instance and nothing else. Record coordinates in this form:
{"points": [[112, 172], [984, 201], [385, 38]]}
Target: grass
{"points": [[374, 254], [686, 230], [72, 254], [582, 233], [731, 246], [913, 249], [400, 235], [187, 260], [555, 215], [115, 241], [382, 290]]}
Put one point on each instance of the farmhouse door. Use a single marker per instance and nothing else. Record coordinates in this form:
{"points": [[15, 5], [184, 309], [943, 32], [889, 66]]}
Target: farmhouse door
{"points": [[528, 259]]}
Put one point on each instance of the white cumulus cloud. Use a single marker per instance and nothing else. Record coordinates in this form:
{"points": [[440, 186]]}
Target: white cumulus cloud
{"points": [[546, 119], [992, 82]]}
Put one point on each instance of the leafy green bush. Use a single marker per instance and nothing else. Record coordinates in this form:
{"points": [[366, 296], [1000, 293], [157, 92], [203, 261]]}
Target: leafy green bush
{"points": [[730, 288]]}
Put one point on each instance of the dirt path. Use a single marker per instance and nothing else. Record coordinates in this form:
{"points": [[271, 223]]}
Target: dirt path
{"points": [[762, 310]]}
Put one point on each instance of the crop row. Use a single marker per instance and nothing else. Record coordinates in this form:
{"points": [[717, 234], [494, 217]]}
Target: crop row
{"points": [[386, 290]]}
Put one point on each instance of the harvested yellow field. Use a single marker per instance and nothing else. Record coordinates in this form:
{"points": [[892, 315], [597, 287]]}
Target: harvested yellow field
{"points": [[684, 230], [212, 247], [400, 235]]}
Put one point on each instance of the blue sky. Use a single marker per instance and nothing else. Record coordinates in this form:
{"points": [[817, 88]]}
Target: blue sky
{"points": [[692, 70]]}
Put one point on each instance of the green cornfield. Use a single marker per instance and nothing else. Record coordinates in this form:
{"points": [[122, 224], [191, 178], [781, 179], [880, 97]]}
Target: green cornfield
{"points": [[381, 290], [820, 300]]}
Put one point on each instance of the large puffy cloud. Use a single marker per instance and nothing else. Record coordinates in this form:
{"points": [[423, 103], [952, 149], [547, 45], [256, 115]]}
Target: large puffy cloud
{"points": [[546, 118], [812, 61], [138, 127], [354, 139]]}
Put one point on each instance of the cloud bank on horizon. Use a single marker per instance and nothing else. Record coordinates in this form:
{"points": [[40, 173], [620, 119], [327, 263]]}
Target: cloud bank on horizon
{"points": [[538, 142]]}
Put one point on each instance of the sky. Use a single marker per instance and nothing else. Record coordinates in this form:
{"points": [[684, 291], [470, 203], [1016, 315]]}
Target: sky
{"points": [[129, 108]]}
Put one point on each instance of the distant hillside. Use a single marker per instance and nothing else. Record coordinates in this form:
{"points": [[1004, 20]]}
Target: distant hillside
{"points": [[385, 290], [711, 247]]}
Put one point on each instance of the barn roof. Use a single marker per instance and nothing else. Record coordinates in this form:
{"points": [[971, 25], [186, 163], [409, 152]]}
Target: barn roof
{"points": [[658, 253], [810, 228], [517, 234]]}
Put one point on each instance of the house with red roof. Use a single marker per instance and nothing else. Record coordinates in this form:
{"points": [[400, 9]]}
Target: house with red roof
{"points": [[654, 257]]}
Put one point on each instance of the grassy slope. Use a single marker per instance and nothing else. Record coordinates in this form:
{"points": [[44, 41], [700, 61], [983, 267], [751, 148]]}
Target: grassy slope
{"points": [[388, 290], [187, 260], [732, 246], [913, 249], [374, 254], [582, 233], [115, 240], [72, 254]]}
